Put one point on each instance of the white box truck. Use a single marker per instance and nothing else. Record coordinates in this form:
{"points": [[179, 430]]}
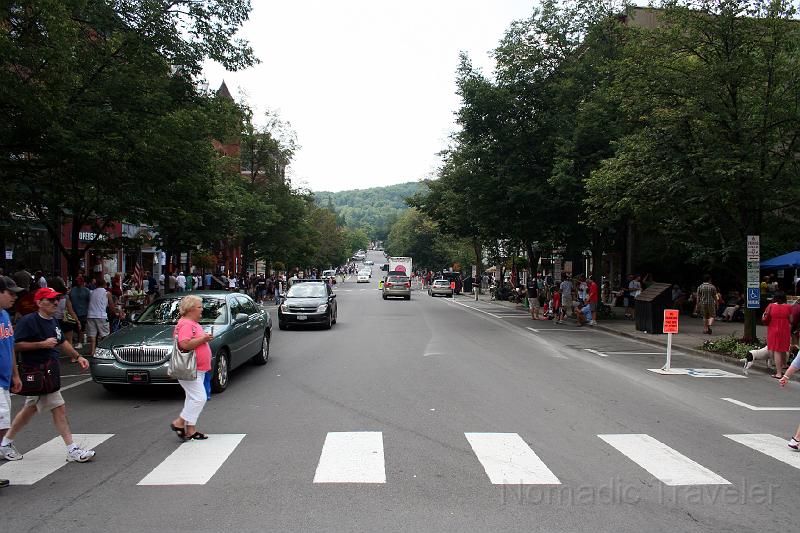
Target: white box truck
{"points": [[400, 264]]}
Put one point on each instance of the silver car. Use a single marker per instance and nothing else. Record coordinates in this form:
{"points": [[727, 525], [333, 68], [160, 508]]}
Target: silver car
{"points": [[397, 286], [440, 287]]}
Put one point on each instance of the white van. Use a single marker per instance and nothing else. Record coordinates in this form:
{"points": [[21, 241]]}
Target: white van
{"points": [[328, 274]]}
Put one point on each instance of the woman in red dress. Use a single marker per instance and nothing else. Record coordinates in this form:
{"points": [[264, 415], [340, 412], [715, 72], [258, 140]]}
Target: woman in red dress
{"points": [[777, 317]]}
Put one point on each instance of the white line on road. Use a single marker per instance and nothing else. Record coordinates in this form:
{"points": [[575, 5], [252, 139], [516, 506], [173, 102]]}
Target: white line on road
{"points": [[352, 457], [194, 462], [601, 354], [754, 408], [770, 445], [474, 308], [669, 466], [46, 459], [508, 460]]}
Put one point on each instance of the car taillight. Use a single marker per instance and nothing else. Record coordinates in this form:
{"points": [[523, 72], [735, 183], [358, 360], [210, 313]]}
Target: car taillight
{"points": [[388, 284], [408, 284]]}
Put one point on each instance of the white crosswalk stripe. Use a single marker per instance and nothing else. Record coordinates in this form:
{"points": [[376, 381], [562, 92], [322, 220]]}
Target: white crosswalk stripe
{"points": [[46, 459], [669, 466], [194, 462], [352, 457], [770, 445], [358, 457], [508, 460]]}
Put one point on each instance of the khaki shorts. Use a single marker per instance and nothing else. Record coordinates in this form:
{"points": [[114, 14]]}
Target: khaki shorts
{"points": [[5, 409], [46, 402], [97, 326]]}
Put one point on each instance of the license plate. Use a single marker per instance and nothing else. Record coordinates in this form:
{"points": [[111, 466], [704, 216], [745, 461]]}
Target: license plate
{"points": [[301, 317], [138, 376]]}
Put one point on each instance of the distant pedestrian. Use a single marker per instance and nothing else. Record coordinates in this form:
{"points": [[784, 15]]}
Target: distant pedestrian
{"points": [[208, 282], [172, 283], [181, 282], [533, 297], [79, 298], [9, 375], [634, 290], [566, 290], [100, 302], [191, 336], [707, 303], [593, 295], [38, 340]]}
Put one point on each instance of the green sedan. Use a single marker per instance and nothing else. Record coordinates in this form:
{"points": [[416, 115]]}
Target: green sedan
{"points": [[138, 354]]}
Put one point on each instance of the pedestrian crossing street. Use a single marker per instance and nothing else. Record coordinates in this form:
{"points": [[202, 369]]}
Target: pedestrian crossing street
{"points": [[358, 457]]}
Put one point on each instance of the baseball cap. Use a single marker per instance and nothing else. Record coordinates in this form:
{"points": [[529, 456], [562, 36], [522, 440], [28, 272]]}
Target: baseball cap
{"points": [[8, 284], [45, 292]]}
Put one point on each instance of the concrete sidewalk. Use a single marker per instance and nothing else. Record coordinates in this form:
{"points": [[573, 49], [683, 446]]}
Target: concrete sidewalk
{"points": [[690, 337]]}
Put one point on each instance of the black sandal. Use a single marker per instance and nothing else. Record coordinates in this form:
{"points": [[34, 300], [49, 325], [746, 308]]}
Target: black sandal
{"points": [[196, 436], [180, 431]]}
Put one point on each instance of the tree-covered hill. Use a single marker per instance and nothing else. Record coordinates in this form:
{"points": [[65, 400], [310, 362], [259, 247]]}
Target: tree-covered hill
{"points": [[373, 210]]}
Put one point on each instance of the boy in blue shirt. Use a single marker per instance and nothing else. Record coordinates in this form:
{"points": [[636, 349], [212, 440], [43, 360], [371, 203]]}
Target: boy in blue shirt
{"points": [[9, 376]]}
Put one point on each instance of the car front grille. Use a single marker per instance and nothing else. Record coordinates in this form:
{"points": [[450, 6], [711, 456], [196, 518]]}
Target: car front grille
{"points": [[295, 309], [142, 354]]}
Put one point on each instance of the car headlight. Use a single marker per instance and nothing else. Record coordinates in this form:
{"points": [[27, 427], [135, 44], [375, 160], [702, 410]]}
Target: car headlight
{"points": [[284, 308], [103, 353], [322, 308]]}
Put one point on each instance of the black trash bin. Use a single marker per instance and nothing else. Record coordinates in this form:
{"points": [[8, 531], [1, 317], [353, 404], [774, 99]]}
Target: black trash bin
{"points": [[650, 305]]}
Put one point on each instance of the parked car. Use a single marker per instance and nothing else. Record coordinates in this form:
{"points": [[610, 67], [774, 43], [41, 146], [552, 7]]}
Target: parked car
{"points": [[440, 287], [309, 302], [139, 353], [397, 286]]}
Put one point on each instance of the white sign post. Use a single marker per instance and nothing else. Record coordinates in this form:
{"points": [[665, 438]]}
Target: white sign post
{"points": [[670, 327]]}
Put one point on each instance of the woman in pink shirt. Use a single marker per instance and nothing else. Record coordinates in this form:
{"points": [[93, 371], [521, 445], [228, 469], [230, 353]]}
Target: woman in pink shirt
{"points": [[192, 337]]}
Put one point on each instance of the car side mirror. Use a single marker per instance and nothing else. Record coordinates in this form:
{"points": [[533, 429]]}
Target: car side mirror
{"points": [[241, 317]]}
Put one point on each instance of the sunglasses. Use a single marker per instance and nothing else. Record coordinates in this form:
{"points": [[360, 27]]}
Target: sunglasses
{"points": [[51, 300]]}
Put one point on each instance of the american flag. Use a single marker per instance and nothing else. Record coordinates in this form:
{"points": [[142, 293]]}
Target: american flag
{"points": [[137, 276]]}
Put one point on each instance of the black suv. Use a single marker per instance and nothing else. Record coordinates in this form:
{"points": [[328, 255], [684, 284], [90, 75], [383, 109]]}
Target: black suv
{"points": [[308, 302]]}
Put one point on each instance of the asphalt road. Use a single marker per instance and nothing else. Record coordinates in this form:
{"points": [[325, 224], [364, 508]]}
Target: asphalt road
{"points": [[425, 415]]}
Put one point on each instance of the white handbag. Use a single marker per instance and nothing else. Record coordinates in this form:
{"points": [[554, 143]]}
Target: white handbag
{"points": [[182, 365]]}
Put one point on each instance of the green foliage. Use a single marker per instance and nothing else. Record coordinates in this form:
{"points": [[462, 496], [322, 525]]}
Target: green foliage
{"points": [[99, 123], [373, 210], [417, 236], [732, 346]]}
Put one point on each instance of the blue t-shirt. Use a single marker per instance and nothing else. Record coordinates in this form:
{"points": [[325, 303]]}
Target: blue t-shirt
{"points": [[34, 328], [6, 350]]}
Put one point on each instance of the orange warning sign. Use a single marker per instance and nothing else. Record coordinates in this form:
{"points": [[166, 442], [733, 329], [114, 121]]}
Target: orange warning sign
{"points": [[670, 321]]}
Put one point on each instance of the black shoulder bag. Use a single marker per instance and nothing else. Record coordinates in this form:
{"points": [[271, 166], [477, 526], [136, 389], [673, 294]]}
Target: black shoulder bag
{"points": [[39, 379]]}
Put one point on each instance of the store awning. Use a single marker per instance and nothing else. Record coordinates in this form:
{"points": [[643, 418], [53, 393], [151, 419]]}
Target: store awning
{"points": [[790, 260]]}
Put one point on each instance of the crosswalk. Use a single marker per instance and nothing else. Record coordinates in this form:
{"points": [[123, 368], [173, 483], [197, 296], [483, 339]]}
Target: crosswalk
{"points": [[358, 458]]}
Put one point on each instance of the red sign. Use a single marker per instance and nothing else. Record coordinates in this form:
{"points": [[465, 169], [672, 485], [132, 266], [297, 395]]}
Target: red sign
{"points": [[670, 321], [453, 285]]}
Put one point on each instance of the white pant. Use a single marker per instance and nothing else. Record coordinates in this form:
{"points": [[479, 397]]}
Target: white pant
{"points": [[195, 398]]}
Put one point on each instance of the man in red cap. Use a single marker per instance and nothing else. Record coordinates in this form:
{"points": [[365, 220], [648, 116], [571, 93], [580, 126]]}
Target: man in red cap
{"points": [[39, 340]]}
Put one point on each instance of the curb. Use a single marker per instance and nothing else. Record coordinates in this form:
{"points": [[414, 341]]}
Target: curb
{"points": [[733, 361]]}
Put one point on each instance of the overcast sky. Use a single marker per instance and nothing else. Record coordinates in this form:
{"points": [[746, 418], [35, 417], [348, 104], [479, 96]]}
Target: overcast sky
{"points": [[368, 86]]}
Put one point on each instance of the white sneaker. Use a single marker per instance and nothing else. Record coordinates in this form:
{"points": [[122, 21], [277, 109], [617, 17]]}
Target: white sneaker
{"points": [[10, 453], [794, 445], [593, 323], [78, 346], [79, 456]]}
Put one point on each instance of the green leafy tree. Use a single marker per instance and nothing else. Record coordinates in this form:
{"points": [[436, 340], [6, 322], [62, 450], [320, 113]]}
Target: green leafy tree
{"points": [[101, 116], [717, 133]]}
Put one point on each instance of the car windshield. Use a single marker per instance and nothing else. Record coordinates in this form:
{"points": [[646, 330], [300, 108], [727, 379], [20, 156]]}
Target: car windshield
{"points": [[166, 312], [307, 290], [398, 279], [441, 282]]}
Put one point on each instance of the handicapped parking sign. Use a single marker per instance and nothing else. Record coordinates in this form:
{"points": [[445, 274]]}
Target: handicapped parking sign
{"points": [[753, 297]]}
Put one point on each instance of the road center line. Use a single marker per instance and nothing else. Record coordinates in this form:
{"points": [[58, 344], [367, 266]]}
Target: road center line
{"points": [[601, 354]]}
